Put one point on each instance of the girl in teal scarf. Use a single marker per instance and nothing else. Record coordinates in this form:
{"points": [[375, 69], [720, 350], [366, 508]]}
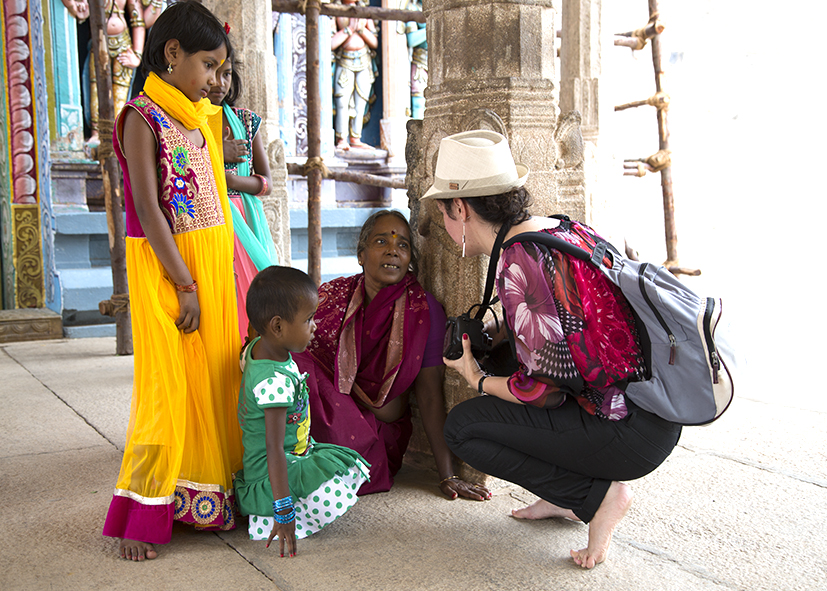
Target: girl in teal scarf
{"points": [[248, 178]]}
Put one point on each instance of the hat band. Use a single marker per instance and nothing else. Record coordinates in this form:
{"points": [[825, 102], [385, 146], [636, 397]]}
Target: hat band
{"points": [[448, 185]]}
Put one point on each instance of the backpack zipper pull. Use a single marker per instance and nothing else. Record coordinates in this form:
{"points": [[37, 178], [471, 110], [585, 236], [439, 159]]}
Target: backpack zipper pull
{"points": [[673, 348], [716, 365]]}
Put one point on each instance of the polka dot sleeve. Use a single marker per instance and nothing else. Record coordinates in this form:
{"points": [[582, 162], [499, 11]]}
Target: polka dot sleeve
{"points": [[276, 390]]}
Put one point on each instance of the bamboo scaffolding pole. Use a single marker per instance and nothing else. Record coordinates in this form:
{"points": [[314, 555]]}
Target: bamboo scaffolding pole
{"points": [[671, 233], [638, 38], [360, 178], [660, 161], [314, 144], [659, 100], [353, 11], [118, 305]]}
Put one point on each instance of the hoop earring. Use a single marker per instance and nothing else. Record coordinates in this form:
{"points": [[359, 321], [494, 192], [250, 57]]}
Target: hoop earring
{"points": [[169, 68], [463, 239]]}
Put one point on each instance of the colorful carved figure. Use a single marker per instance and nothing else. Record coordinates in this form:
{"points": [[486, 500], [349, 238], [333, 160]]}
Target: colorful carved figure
{"points": [[152, 10], [354, 44], [418, 45], [77, 8], [125, 43]]}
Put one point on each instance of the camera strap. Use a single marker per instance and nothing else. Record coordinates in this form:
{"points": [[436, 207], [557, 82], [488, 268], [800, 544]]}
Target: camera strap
{"points": [[492, 272]]}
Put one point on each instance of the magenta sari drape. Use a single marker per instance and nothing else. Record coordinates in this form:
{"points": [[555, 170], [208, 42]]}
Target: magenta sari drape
{"points": [[365, 355]]}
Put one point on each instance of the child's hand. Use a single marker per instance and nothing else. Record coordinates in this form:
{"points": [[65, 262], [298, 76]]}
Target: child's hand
{"points": [[190, 315], [287, 537], [234, 150]]}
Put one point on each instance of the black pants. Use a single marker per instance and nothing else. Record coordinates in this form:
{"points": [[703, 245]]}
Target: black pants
{"points": [[565, 456]]}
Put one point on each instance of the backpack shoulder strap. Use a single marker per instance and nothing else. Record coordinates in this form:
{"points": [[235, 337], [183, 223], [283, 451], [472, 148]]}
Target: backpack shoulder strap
{"points": [[595, 257]]}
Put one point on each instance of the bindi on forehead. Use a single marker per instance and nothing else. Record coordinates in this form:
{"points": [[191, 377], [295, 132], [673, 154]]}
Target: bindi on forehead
{"points": [[393, 233]]}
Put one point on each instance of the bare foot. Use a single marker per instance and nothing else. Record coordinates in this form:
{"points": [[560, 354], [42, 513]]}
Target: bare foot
{"points": [[357, 143], [541, 509], [135, 550], [617, 501]]}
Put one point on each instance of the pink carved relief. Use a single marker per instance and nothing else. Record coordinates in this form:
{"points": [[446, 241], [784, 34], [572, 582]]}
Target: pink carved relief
{"points": [[18, 64]]}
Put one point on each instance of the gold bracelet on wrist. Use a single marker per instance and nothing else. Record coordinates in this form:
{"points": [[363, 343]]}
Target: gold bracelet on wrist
{"points": [[444, 480]]}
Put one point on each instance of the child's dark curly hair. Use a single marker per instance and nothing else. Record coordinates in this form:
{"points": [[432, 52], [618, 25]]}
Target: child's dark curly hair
{"points": [[277, 291]]}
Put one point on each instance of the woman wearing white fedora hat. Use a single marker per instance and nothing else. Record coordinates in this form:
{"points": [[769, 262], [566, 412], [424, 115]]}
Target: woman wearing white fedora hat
{"points": [[559, 426]]}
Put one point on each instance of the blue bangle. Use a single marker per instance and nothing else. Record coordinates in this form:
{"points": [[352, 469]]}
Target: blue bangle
{"points": [[285, 518], [286, 502]]}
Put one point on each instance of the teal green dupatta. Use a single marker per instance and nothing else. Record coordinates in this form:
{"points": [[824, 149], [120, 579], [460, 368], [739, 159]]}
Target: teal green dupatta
{"points": [[254, 233]]}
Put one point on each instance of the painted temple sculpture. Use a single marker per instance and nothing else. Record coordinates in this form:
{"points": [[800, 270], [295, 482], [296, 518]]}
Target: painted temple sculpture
{"points": [[354, 45]]}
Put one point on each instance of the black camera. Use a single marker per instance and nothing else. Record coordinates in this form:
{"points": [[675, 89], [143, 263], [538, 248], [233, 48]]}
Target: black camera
{"points": [[464, 324]]}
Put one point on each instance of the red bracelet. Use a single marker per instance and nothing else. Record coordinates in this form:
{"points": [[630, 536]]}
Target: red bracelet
{"points": [[189, 288], [263, 185]]}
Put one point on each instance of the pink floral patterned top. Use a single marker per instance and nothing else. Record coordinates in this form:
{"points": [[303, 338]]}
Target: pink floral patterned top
{"points": [[574, 332]]}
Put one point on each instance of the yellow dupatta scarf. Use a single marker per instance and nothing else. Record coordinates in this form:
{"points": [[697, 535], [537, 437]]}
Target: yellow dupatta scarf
{"points": [[203, 116]]}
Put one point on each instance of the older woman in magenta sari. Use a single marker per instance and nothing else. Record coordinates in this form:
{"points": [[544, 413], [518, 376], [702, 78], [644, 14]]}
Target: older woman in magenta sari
{"points": [[378, 338]]}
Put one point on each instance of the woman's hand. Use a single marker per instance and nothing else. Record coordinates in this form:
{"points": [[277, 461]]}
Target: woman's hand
{"points": [[469, 369], [454, 487], [190, 315], [234, 150], [466, 366], [287, 537]]}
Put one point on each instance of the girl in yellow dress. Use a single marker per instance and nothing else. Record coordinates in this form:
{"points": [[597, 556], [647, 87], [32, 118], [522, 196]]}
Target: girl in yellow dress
{"points": [[183, 441]]}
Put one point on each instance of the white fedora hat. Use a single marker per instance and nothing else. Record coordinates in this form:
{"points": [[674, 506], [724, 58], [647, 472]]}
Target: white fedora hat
{"points": [[475, 164]]}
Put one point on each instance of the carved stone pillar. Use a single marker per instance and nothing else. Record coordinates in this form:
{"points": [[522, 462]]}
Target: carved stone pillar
{"points": [[491, 65], [580, 72], [251, 31], [26, 230]]}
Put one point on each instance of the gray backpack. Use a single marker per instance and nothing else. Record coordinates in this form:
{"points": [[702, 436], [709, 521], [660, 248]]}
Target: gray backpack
{"points": [[688, 362]]}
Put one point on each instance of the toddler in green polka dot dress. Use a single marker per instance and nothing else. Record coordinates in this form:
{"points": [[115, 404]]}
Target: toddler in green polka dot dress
{"points": [[291, 486]]}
